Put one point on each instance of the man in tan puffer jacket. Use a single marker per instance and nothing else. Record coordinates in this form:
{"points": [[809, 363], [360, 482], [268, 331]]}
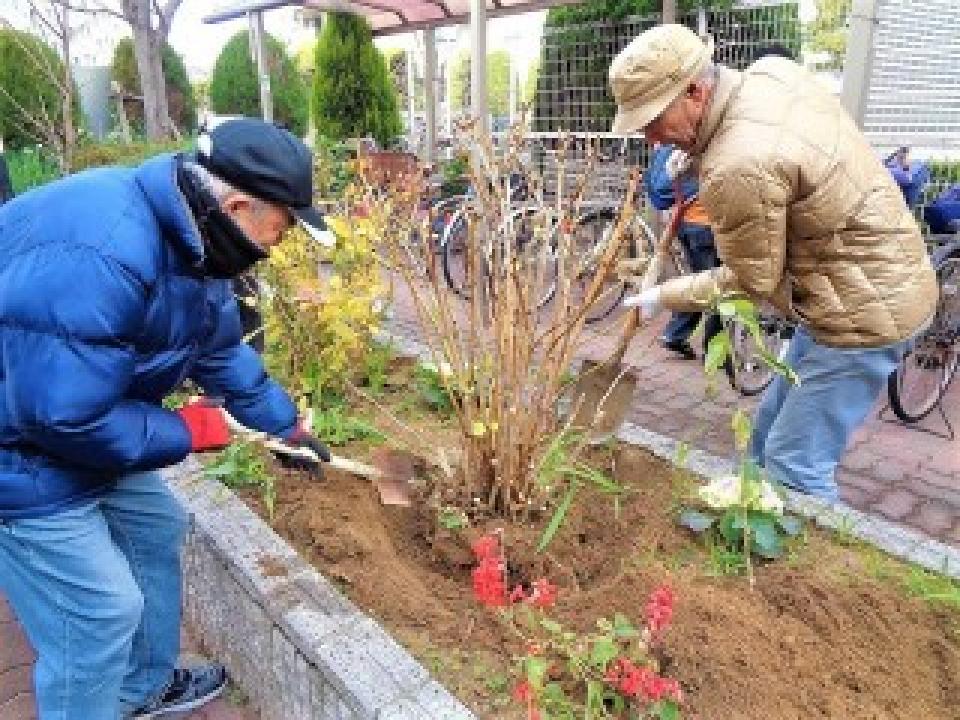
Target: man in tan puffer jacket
{"points": [[805, 217]]}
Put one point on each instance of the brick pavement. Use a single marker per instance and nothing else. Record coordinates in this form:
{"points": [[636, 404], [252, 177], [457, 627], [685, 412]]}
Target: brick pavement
{"points": [[16, 666]]}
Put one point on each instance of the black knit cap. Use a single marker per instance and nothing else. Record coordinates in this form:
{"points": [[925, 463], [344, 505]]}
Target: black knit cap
{"points": [[266, 161]]}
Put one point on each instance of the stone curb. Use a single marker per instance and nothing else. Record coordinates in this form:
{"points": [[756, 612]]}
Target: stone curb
{"points": [[296, 646], [901, 542], [904, 543]]}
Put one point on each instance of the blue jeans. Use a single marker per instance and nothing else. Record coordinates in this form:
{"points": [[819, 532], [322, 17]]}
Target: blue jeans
{"points": [[701, 254], [97, 590], [800, 432]]}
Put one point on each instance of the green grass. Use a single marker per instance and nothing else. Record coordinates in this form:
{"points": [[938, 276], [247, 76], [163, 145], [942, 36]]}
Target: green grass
{"points": [[29, 168]]}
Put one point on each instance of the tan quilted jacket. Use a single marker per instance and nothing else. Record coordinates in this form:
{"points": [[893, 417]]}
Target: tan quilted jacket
{"points": [[804, 214]]}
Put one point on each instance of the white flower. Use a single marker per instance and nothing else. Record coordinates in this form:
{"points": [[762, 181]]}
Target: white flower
{"points": [[721, 492], [724, 492]]}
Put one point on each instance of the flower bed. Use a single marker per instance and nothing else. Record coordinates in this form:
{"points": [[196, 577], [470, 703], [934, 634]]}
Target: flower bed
{"points": [[821, 633]]}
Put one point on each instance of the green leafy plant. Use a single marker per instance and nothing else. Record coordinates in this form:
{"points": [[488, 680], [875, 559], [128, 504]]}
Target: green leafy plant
{"points": [[561, 464], [242, 465], [30, 167], [235, 88], [336, 426], [333, 167], [720, 348], [452, 518], [91, 155], [564, 674], [353, 95], [743, 512], [29, 72], [432, 387], [376, 364]]}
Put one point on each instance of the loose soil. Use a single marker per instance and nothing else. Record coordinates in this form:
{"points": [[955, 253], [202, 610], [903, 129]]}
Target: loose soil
{"points": [[828, 632]]}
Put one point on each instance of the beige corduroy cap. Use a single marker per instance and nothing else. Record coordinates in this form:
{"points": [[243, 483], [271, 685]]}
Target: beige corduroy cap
{"points": [[652, 71]]}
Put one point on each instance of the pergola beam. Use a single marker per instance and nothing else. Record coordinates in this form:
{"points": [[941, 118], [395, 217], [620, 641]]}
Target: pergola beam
{"points": [[345, 6], [478, 62]]}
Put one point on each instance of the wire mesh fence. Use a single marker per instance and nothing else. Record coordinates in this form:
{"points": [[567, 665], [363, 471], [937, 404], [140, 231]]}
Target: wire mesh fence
{"points": [[573, 95]]}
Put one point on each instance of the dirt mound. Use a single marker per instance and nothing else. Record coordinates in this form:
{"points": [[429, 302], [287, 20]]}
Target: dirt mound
{"points": [[818, 637]]}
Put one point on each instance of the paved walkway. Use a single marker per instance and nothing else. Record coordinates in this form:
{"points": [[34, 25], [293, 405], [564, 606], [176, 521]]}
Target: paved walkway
{"points": [[16, 681], [904, 475]]}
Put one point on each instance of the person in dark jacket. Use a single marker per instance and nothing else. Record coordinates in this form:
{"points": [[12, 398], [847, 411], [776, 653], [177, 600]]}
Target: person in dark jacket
{"points": [[114, 288], [665, 180]]}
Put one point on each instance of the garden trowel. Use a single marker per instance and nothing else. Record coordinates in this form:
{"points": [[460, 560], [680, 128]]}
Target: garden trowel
{"points": [[603, 392], [391, 475]]}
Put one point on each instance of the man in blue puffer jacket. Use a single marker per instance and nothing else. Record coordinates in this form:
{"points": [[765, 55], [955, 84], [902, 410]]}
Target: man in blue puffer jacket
{"points": [[114, 288]]}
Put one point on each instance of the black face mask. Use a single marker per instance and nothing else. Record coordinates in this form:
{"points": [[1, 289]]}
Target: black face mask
{"points": [[227, 251]]}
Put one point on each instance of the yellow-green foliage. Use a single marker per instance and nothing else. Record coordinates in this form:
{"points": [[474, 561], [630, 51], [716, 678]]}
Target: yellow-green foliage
{"points": [[320, 325]]}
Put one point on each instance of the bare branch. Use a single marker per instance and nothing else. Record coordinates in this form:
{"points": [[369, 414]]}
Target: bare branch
{"points": [[41, 130], [36, 12], [165, 16], [39, 60], [92, 9]]}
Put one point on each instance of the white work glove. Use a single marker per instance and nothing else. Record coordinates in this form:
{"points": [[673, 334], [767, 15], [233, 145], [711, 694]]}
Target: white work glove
{"points": [[677, 164], [647, 301]]}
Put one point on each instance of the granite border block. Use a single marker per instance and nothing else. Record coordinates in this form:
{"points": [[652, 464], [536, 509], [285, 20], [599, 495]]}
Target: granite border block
{"points": [[296, 646]]}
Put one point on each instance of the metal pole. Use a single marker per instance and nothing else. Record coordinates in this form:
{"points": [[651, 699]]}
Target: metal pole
{"points": [[448, 93], [411, 104], [478, 62], [258, 51], [513, 89], [859, 59], [430, 94]]}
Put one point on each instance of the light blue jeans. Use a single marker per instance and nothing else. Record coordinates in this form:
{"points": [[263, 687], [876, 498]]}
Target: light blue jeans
{"points": [[800, 432], [97, 591]]}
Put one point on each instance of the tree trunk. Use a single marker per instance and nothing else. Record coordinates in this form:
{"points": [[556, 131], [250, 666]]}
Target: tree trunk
{"points": [[147, 44], [69, 132], [669, 11]]}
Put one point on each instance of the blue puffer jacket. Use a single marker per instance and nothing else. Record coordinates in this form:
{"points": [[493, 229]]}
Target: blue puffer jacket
{"points": [[102, 313]]}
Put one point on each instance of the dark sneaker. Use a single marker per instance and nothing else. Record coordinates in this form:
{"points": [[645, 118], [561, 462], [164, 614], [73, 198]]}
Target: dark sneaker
{"points": [[190, 688], [680, 347]]}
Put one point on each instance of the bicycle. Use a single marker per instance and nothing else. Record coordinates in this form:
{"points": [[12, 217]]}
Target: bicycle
{"points": [[921, 379]]}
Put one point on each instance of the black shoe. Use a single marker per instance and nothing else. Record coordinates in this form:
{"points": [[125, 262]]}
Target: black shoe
{"points": [[680, 347], [190, 688]]}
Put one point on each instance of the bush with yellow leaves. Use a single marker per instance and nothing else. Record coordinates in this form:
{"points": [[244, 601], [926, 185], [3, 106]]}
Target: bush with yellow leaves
{"points": [[322, 308]]}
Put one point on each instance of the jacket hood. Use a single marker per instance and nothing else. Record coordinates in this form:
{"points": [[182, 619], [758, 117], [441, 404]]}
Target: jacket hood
{"points": [[157, 177]]}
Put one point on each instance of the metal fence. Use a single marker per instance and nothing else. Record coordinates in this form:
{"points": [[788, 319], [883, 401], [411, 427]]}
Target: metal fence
{"points": [[573, 95]]}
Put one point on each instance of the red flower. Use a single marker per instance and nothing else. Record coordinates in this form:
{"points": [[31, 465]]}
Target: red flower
{"points": [[660, 610], [544, 594], [657, 688], [489, 586], [517, 595], [522, 692], [487, 546]]}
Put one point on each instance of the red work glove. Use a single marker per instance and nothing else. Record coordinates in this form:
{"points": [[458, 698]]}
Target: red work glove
{"points": [[207, 426]]}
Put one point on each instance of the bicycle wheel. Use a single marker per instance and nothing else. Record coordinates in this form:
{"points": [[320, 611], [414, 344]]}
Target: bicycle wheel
{"points": [[748, 373], [925, 372], [532, 233], [589, 239], [453, 243]]}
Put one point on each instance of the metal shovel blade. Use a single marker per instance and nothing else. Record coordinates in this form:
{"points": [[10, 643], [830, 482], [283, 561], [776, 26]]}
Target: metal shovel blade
{"points": [[603, 397], [396, 474]]}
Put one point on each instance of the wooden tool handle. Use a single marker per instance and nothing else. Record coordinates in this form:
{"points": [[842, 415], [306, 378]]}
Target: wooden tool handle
{"points": [[630, 328], [278, 446]]}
